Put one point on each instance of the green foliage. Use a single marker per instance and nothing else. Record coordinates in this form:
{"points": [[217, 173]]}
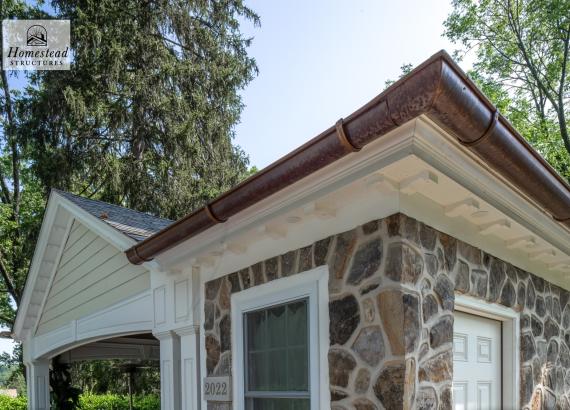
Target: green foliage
{"points": [[9, 403], [64, 396], [522, 63], [116, 402], [93, 402]]}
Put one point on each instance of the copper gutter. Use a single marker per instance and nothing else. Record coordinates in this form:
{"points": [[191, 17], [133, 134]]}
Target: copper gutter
{"points": [[438, 89]]}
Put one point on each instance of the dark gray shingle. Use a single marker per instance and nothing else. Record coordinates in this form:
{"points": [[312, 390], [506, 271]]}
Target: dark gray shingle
{"points": [[135, 224]]}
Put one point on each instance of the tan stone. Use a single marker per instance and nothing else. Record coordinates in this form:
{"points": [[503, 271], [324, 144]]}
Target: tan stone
{"points": [[225, 295], [391, 309], [410, 384]]}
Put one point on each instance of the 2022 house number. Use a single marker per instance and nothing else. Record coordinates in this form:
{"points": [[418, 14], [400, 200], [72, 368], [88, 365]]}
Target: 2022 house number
{"points": [[217, 388]]}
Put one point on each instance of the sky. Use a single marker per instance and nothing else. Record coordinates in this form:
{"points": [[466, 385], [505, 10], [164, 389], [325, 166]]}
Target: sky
{"points": [[320, 60]]}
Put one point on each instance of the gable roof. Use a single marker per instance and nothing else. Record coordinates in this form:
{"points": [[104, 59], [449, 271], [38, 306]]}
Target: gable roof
{"points": [[135, 224], [437, 89], [121, 227]]}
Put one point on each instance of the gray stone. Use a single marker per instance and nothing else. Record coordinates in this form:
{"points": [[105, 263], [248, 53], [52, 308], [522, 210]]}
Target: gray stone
{"points": [[552, 355], [540, 308], [566, 317], [393, 224], [410, 229], [445, 290], [538, 283], [257, 273], [425, 286], [441, 332], [288, 263], [211, 289], [212, 353], [525, 321], [412, 264], [530, 296], [462, 277], [496, 278], [364, 404], [245, 278], [272, 269], [556, 313], [528, 348], [225, 334], [508, 295], [306, 260], [341, 365], [224, 367], [426, 399], [366, 262], [389, 387], [469, 253], [338, 395], [344, 319], [564, 356], [412, 325], [394, 267], [445, 399], [536, 326], [429, 307], [428, 237], [209, 312], [437, 369], [449, 245], [235, 285], [551, 329], [479, 283], [369, 288], [527, 384], [368, 312], [431, 264], [370, 227], [345, 243], [369, 345], [321, 251], [521, 296], [511, 272], [362, 381]]}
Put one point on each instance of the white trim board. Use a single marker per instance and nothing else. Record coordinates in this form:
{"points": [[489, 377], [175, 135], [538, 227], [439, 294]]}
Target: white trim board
{"points": [[312, 284], [511, 342]]}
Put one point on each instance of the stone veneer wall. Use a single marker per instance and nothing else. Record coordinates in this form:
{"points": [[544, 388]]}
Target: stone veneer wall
{"points": [[392, 287]]}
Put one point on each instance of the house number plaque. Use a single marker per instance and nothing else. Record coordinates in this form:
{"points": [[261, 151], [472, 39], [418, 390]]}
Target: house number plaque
{"points": [[217, 388]]}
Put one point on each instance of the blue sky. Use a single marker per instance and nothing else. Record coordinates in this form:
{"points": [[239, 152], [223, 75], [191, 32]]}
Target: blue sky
{"points": [[320, 60]]}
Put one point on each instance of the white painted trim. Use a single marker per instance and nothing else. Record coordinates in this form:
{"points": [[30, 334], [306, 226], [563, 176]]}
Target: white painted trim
{"points": [[57, 203], [312, 284], [511, 341], [52, 275], [130, 316]]}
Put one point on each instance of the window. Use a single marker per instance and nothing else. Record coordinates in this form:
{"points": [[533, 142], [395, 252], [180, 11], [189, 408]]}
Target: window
{"points": [[277, 357], [280, 344]]}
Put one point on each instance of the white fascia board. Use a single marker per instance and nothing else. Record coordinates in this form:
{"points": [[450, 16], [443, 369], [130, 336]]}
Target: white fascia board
{"points": [[41, 243], [419, 138], [449, 157]]}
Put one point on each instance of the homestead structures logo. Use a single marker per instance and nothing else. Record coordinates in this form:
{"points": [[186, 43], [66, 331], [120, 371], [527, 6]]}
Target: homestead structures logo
{"points": [[37, 36], [35, 45]]}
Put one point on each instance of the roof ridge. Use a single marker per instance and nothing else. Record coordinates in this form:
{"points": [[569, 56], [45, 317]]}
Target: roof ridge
{"points": [[110, 204]]}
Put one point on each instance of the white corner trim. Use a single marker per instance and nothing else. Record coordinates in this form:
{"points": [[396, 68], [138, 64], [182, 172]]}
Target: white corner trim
{"points": [[312, 284], [511, 342]]}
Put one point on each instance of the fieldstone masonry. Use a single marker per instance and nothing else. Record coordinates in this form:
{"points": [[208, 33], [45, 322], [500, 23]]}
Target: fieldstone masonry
{"points": [[392, 288]]}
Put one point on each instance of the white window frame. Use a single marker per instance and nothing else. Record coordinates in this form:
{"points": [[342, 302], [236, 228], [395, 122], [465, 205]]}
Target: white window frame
{"points": [[313, 285], [510, 342]]}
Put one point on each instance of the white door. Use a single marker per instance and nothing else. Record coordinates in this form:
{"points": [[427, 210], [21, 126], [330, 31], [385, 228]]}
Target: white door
{"points": [[476, 363]]}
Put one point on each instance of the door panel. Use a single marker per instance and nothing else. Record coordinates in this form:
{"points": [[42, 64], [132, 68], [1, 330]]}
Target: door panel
{"points": [[476, 363]]}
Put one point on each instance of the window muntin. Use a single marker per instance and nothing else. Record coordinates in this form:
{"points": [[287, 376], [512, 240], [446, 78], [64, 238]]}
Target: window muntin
{"points": [[276, 341]]}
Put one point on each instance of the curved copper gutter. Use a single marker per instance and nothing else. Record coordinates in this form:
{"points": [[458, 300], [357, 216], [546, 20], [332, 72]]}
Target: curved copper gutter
{"points": [[437, 88]]}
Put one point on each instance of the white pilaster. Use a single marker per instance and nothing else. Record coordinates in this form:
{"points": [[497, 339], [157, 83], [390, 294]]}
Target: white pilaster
{"points": [[169, 370], [190, 363], [38, 384]]}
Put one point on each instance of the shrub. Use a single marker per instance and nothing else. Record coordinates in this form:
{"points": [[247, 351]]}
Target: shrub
{"points": [[11, 403], [93, 402]]}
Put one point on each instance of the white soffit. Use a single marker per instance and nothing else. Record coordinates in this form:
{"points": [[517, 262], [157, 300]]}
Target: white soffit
{"points": [[416, 169]]}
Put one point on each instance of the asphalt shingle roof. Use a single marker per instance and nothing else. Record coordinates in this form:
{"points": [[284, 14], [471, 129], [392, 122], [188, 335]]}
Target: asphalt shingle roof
{"points": [[135, 224]]}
